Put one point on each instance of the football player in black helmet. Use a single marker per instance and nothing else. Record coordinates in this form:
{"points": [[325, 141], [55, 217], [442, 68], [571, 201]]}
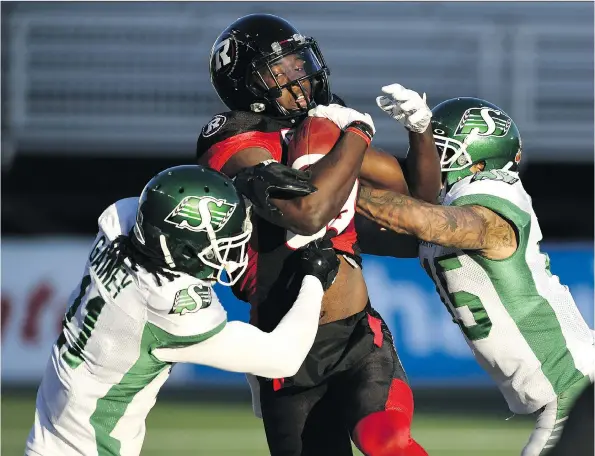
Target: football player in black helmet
{"points": [[271, 77], [262, 64]]}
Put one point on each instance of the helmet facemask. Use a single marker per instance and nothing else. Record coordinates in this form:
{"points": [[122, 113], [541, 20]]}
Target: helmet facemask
{"points": [[454, 155], [455, 160], [228, 254], [295, 65]]}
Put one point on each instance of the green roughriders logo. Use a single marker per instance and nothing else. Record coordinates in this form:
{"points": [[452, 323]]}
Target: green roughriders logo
{"points": [[196, 213], [192, 299], [485, 122]]}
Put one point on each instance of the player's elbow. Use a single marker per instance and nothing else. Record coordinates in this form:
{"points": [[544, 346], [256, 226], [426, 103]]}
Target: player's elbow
{"points": [[283, 372], [285, 359], [309, 218], [286, 367], [311, 225]]}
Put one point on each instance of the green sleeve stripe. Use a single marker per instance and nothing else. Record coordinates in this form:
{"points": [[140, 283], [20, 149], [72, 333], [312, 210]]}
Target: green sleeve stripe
{"points": [[513, 280]]}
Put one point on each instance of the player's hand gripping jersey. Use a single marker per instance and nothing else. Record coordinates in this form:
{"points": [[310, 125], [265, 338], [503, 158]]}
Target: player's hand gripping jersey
{"points": [[521, 323], [271, 245]]}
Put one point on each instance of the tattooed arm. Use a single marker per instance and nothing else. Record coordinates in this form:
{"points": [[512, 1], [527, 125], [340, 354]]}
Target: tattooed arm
{"points": [[464, 227]]}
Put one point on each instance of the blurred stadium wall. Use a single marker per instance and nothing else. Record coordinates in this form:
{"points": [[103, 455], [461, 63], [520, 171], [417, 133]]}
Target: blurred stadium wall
{"points": [[98, 97]]}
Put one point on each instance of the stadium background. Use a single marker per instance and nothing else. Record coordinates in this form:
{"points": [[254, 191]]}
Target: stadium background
{"points": [[98, 97]]}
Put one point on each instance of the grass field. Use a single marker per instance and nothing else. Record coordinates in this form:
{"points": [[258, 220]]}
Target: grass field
{"points": [[177, 429]]}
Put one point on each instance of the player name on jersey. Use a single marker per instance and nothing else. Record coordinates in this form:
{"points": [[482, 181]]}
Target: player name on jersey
{"points": [[114, 280]]}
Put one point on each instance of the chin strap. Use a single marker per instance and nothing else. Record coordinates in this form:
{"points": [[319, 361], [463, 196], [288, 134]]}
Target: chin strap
{"points": [[166, 253]]}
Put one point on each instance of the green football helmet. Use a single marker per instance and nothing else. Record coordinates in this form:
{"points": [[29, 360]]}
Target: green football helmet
{"points": [[470, 130], [194, 219]]}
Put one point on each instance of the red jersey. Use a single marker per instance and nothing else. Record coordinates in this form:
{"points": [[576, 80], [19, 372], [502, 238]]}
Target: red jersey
{"points": [[269, 280]]}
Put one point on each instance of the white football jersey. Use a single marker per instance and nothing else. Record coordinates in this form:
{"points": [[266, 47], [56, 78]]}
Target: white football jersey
{"points": [[102, 378], [520, 321]]}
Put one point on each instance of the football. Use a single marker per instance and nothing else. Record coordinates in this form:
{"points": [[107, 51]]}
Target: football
{"points": [[312, 140]]}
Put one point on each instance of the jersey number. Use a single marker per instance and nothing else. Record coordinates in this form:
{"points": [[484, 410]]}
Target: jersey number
{"points": [[459, 299], [73, 355]]}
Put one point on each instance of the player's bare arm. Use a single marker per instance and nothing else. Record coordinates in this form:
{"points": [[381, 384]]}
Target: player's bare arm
{"points": [[423, 164], [382, 170], [334, 175], [464, 227]]}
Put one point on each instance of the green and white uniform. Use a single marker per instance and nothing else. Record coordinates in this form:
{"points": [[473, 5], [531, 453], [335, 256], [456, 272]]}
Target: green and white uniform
{"points": [[520, 321], [123, 331], [102, 378]]}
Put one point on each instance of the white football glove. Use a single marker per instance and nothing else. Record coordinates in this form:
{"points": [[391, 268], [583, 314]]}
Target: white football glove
{"points": [[341, 116], [405, 106]]}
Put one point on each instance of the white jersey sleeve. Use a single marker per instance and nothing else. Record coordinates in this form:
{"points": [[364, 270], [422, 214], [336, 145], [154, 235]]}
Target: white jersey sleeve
{"points": [[182, 312], [241, 347], [118, 218], [102, 380], [179, 312]]}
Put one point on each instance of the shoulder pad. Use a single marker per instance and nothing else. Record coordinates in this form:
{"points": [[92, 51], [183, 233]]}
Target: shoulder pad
{"points": [[231, 123], [497, 183], [118, 218]]}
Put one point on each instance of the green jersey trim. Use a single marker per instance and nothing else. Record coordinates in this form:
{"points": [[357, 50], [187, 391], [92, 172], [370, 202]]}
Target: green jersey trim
{"points": [[111, 407], [532, 313], [511, 212]]}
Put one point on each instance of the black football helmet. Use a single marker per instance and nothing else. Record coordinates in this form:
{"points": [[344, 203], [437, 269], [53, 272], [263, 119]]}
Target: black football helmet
{"points": [[246, 57]]}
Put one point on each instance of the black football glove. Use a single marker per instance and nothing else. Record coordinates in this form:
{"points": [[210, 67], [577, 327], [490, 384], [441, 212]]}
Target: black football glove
{"points": [[319, 259], [272, 180]]}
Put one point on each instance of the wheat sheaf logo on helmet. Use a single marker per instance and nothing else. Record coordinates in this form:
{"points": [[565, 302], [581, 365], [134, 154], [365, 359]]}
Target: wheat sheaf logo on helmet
{"points": [[196, 213], [485, 122]]}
